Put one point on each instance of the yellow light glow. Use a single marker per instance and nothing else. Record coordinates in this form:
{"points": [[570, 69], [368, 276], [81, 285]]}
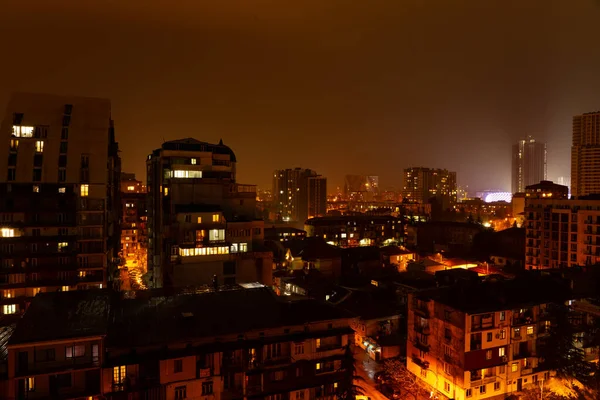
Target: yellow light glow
{"points": [[84, 190], [7, 232], [22, 131]]}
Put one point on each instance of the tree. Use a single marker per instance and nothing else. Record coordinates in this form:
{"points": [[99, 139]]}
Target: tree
{"points": [[558, 350], [347, 389], [402, 378]]}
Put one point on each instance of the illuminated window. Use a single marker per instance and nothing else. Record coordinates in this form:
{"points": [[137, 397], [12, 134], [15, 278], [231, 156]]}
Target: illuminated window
{"points": [[234, 247], [131, 188], [317, 343], [166, 191], [82, 274], [22, 131], [62, 246], [84, 190], [215, 217], [39, 146], [318, 366], [65, 288], [7, 232], [514, 367], [501, 352], [199, 220], [488, 355], [243, 247], [14, 144], [193, 161], [62, 190], [215, 235], [9, 308], [8, 294], [119, 374], [35, 291], [530, 330], [186, 174], [30, 384], [36, 188]]}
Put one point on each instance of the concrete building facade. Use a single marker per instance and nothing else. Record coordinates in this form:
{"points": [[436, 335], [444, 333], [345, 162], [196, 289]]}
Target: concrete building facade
{"points": [[585, 155], [201, 223], [528, 163], [59, 197]]}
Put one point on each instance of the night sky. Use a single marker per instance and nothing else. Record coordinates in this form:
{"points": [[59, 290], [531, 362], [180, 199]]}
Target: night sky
{"points": [[339, 86]]}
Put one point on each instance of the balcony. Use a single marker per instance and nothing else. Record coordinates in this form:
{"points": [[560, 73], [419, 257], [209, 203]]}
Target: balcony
{"points": [[421, 310], [480, 382], [57, 366], [420, 362], [523, 354], [272, 361], [425, 330], [422, 346]]}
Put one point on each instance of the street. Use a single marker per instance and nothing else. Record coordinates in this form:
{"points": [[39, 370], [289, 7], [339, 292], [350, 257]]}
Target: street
{"points": [[366, 369]]}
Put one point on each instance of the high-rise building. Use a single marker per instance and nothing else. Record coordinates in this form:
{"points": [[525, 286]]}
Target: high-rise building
{"points": [[202, 224], [361, 187], [299, 194], [585, 155], [317, 196], [561, 232], [528, 163], [134, 229], [59, 196], [422, 184]]}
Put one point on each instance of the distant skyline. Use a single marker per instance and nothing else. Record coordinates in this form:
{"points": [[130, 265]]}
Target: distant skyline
{"points": [[339, 87]]}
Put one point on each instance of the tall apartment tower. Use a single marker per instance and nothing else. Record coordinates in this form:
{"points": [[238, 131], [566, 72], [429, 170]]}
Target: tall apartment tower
{"points": [[201, 223], [317, 196], [422, 184], [528, 164], [134, 229], [585, 155], [59, 197], [292, 197]]}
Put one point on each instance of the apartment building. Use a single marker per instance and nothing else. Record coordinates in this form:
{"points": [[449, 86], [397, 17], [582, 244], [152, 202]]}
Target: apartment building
{"points": [[134, 224], [59, 197], [585, 154], [562, 233], [422, 184], [529, 159], [299, 194], [202, 224], [226, 344], [479, 341], [356, 230]]}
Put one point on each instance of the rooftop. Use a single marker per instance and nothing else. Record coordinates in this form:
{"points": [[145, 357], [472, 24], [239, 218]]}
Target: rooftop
{"points": [[64, 315], [177, 318], [337, 219], [499, 295], [312, 248], [191, 144]]}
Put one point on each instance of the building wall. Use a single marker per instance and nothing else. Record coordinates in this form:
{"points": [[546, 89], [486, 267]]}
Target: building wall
{"points": [[528, 163], [422, 184], [457, 353], [59, 204], [562, 233], [585, 154]]}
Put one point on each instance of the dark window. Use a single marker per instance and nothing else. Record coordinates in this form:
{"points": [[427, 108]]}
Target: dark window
{"points": [[45, 355], [207, 388], [68, 109], [85, 161], [84, 175], [177, 366], [180, 393], [63, 147], [62, 175], [62, 161], [229, 268], [37, 174], [12, 174], [489, 337], [12, 160], [66, 120], [17, 118], [37, 160], [64, 134]]}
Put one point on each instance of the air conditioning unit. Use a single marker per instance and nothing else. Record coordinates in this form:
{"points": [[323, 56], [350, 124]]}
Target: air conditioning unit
{"points": [[504, 358]]}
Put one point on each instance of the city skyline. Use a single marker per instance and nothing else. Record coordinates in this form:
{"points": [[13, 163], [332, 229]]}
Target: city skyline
{"points": [[259, 80]]}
